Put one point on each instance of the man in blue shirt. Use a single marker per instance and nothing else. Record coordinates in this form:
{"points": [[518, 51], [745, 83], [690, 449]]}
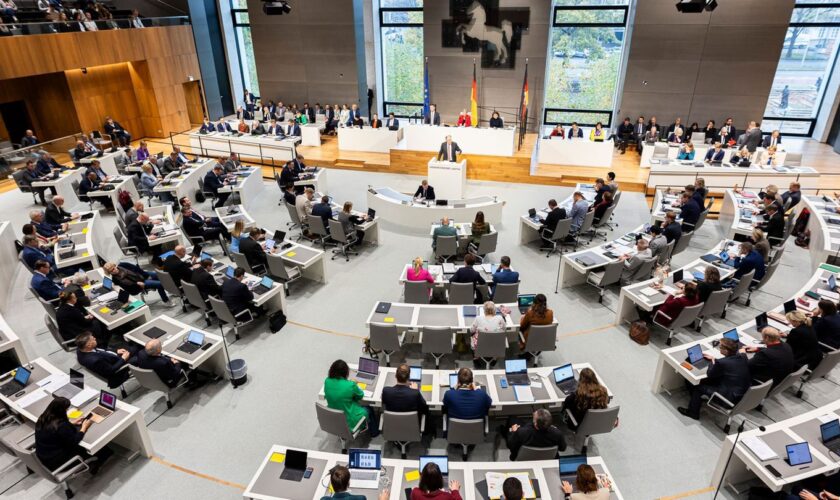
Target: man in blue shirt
{"points": [[715, 154], [504, 274], [748, 260], [42, 281], [689, 211], [32, 252], [579, 209], [467, 401]]}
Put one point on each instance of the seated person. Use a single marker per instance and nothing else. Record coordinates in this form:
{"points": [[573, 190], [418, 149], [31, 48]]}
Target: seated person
{"points": [[587, 485], [237, 296], [108, 364], [774, 227], [775, 361], [600, 188], [728, 376], [601, 208], [657, 242], [580, 208], [243, 127], [92, 183], [589, 395], [171, 165], [598, 134], [747, 260], [418, 273], [57, 440], [558, 131], [625, 134], [349, 221], [206, 127], [117, 132], [392, 123], [496, 120], [710, 283], [540, 432], [574, 132], [467, 274], [149, 181], [134, 280], [467, 401], [479, 228], [340, 484], [686, 152], [555, 215], [375, 122], [802, 339], [487, 322], [30, 175], [253, 250], [213, 181], [612, 183], [167, 369], [444, 229], [44, 228], [206, 227], [537, 314], [773, 139], [33, 252], [177, 268], [512, 489], [292, 129], [96, 167], [82, 150], [257, 128], [73, 320], [741, 158], [204, 281], [826, 323], [464, 119], [792, 196], [676, 137], [652, 135], [431, 485], [324, 211], [55, 213], [671, 229], [425, 191], [344, 394], [689, 211], [675, 304], [504, 274], [404, 396], [633, 262], [769, 158], [715, 154], [42, 281]]}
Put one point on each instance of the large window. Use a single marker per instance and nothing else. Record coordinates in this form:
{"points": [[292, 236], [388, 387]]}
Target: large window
{"points": [[245, 46], [808, 57], [584, 61], [401, 30]]}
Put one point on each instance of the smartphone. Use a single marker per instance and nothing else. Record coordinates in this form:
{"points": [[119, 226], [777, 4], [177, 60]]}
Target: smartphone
{"points": [[503, 383], [307, 473]]}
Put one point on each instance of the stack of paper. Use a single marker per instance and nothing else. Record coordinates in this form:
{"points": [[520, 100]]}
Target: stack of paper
{"points": [[495, 480], [648, 291], [523, 393], [757, 445], [83, 397], [32, 397]]}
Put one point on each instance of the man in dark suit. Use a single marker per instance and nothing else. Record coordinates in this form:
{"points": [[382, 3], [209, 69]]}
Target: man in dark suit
{"points": [[404, 396], [292, 129], [207, 127], [47, 164], [151, 358], [30, 175], [671, 229], [204, 281], [177, 268], [625, 134], [467, 274], [81, 151], [92, 183], [392, 123], [540, 432], [29, 139], [253, 251], [274, 130], [555, 215], [774, 361], [715, 154], [209, 228], [224, 127], [44, 228], [236, 294], [425, 191], [354, 117], [55, 213], [171, 164], [792, 196], [214, 180], [749, 259], [288, 175], [257, 128], [323, 210], [309, 112], [117, 132], [774, 228], [110, 365], [32, 252], [137, 233], [433, 118], [689, 212], [729, 376], [448, 150], [752, 137], [774, 139], [42, 281]]}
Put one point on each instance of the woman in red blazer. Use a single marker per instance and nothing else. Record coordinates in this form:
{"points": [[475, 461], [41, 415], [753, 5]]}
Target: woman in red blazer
{"points": [[431, 486], [674, 304]]}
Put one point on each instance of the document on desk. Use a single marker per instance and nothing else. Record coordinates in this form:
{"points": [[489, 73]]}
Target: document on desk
{"points": [[83, 397], [32, 397], [495, 480], [448, 268], [523, 393], [759, 448], [649, 291], [54, 382]]}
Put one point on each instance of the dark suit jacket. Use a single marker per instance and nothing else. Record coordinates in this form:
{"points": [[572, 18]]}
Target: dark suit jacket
{"points": [[194, 225], [766, 142], [236, 295], [294, 130], [828, 330], [116, 128], [690, 213], [136, 235], [794, 196], [207, 127], [169, 166], [71, 321], [806, 347], [206, 283], [528, 435], [392, 126], [56, 215], [45, 287], [324, 211], [87, 186], [553, 218], [432, 119], [730, 376], [429, 194], [310, 113], [212, 182], [80, 152], [253, 252], [106, 364], [288, 176], [443, 150], [169, 372], [258, 130], [752, 260], [774, 228], [402, 398], [712, 156], [47, 229], [672, 232], [178, 269], [31, 255], [467, 274], [774, 362]]}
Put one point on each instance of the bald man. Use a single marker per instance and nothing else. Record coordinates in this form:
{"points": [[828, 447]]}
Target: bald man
{"points": [[152, 358], [448, 150], [178, 267], [445, 229], [55, 213]]}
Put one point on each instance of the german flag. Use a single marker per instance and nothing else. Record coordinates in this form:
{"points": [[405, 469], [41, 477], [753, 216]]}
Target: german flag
{"points": [[474, 99]]}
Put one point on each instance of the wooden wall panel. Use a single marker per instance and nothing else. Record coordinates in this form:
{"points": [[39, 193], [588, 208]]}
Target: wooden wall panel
{"points": [[48, 101], [105, 91]]}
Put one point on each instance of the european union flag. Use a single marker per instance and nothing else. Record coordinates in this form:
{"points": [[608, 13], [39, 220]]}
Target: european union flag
{"points": [[426, 89]]}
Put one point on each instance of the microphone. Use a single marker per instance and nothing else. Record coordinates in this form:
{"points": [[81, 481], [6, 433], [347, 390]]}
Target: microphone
{"points": [[732, 450]]}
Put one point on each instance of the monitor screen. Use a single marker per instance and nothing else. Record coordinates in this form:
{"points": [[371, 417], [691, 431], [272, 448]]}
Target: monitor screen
{"points": [[371, 213], [732, 335], [279, 236], [229, 271], [107, 283], [368, 365], [516, 365], [196, 251], [107, 400], [798, 453], [415, 373], [790, 306], [205, 256], [453, 380], [22, 375], [832, 282], [195, 337], [441, 461], [570, 464], [525, 300], [365, 459], [77, 378], [695, 353], [564, 372], [678, 275], [267, 282], [830, 430]]}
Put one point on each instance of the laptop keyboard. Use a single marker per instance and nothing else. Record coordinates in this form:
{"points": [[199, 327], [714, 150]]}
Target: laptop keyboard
{"points": [[102, 412], [365, 475]]}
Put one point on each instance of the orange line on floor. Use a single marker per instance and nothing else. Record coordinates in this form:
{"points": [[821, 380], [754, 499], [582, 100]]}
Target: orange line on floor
{"points": [[587, 331], [191, 472], [687, 494], [324, 330]]}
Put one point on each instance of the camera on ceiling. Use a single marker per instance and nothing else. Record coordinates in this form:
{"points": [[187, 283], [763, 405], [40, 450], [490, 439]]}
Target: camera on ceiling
{"points": [[276, 8], [696, 6]]}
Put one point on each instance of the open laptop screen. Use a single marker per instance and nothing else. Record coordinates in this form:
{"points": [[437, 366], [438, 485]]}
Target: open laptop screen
{"points": [[77, 378], [107, 400], [570, 464], [441, 461], [516, 365], [368, 365], [564, 372], [830, 430], [525, 300], [195, 337], [365, 459], [732, 335], [695, 353], [798, 454]]}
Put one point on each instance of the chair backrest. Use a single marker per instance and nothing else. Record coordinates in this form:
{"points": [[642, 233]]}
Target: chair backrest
{"points": [[446, 246], [401, 427], [660, 151], [587, 222], [743, 285], [682, 243], [487, 243], [491, 345], [827, 364], [168, 283], [700, 220], [75, 185], [612, 273], [53, 328], [596, 422], [529, 453], [465, 431], [316, 225], [337, 232], [666, 253], [644, 271], [436, 339], [788, 381], [28, 457], [276, 267], [506, 293], [777, 254], [148, 379], [562, 229], [221, 310], [384, 337], [461, 293], [332, 421], [616, 198], [293, 215], [49, 308], [687, 316], [752, 398], [605, 218], [768, 273], [193, 296], [716, 303], [541, 338], [793, 159], [416, 292], [241, 261]]}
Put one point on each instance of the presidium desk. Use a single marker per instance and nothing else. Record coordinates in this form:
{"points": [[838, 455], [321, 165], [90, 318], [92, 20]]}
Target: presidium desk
{"points": [[403, 209]]}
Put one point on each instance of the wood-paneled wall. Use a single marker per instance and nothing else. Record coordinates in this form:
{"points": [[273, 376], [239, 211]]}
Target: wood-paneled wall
{"points": [[48, 101], [102, 91], [162, 59]]}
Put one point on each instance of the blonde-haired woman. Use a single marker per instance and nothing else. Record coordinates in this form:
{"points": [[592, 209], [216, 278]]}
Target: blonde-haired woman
{"points": [[760, 243], [417, 272], [238, 229], [803, 340]]}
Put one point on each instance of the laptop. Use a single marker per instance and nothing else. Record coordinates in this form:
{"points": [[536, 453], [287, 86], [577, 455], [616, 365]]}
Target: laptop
{"points": [[798, 454], [710, 258], [830, 434], [269, 245], [86, 216], [154, 332], [564, 377], [760, 321], [734, 337], [789, 306], [516, 371], [371, 213], [368, 369], [106, 407], [695, 357], [17, 383], [415, 374], [832, 282], [75, 386], [265, 285], [193, 342], [383, 307], [279, 236], [295, 466], [229, 272], [365, 467], [678, 277], [524, 302], [470, 311], [442, 461], [107, 286], [569, 466]]}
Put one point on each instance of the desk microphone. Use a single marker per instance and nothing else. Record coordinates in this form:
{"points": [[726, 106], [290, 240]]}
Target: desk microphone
{"points": [[732, 451]]}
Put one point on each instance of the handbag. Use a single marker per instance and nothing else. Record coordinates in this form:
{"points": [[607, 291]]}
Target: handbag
{"points": [[276, 321], [640, 332]]}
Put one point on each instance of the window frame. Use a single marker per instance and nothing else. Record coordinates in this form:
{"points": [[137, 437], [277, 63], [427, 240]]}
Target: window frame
{"points": [[607, 125], [384, 25], [236, 25], [557, 8]]}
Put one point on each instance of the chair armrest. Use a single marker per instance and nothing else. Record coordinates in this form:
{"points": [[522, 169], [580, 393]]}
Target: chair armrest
{"points": [[718, 396], [571, 417], [445, 421], [381, 424], [826, 346], [486, 425], [70, 467], [422, 422], [359, 424], [521, 337], [244, 311]]}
